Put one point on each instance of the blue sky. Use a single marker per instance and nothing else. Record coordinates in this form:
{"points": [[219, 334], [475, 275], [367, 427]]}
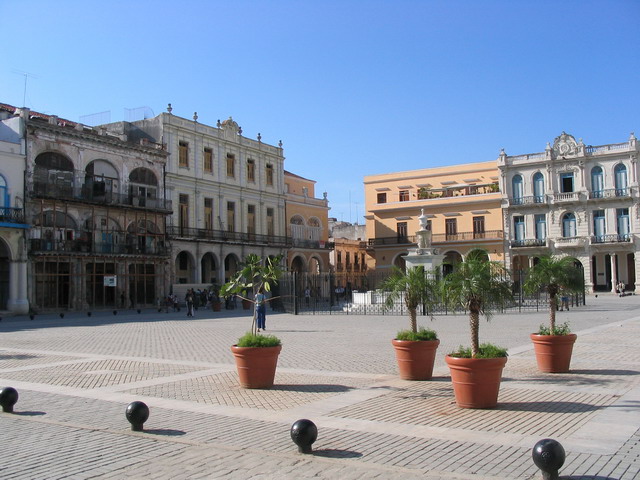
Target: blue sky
{"points": [[352, 87]]}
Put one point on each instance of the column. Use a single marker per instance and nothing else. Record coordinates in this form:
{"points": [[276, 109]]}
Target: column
{"points": [[614, 276]]}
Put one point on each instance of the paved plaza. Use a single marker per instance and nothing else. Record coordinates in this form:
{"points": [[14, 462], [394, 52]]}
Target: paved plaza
{"points": [[76, 375]]}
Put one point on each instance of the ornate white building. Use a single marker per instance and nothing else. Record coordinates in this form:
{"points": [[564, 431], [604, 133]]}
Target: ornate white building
{"points": [[575, 199], [227, 192]]}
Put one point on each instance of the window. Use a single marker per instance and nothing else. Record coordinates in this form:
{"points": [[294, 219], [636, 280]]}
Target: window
{"points": [[4, 197], [251, 171], [269, 174], [208, 213], [622, 217], [541, 226], [251, 219], [451, 228], [478, 227], [208, 160], [231, 217], [518, 227], [516, 186], [339, 256], [382, 197], [538, 188], [569, 225], [231, 165], [597, 182], [428, 226], [620, 174], [183, 154], [183, 213], [348, 259], [404, 195], [270, 224], [566, 182], [599, 227], [401, 230]]}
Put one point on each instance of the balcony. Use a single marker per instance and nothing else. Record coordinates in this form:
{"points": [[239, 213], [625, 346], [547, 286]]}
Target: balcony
{"points": [[11, 215], [457, 191], [314, 244], [438, 238], [529, 242], [38, 245], [224, 236], [611, 238], [569, 242], [84, 195], [610, 193], [566, 197], [530, 200]]}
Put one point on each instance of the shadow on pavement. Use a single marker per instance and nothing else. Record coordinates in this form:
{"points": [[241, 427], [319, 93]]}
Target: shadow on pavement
{"points": [[605, 372], [29, 414], [549, 407], [586, 477], [335, 453], [165, 431], [322, 388]]}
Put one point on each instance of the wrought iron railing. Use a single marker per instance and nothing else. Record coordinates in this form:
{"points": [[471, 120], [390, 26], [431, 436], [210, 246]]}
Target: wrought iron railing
{"points": [[438, 238], [39, 245], [11, 215], [610, 193], [224, 236], [611, 238], [528, 242], [529, 200]]}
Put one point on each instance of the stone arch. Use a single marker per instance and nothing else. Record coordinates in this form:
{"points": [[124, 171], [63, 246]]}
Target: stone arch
{"points": [[478, 252], [399, 261], [185, 267], [101, 180], [143, 186], [298, 264], [451, 258], [231, 266], [54, 174], [209, 268], [315, 264]]}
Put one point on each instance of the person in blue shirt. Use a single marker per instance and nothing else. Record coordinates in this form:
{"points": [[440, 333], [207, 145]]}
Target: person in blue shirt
{"points": [[261, 309]]}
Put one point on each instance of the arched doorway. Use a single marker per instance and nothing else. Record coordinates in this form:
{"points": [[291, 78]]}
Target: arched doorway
{"points": [[143, 187], [5, 257], [231, 263], [451, 258], [184, 267], [209, 271], [400, 262]]}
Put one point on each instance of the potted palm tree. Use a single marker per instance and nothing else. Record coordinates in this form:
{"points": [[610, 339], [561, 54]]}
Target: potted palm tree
{"points": [[553, 345], [476, 285], [415, 349], [256, 355]]}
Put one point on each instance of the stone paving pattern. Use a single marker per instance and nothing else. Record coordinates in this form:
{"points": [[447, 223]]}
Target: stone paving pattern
{"points": [[76, 376]]}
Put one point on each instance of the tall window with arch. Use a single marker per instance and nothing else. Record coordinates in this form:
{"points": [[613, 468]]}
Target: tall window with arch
{"points": [[597, 182], [4, 196], [569, 225], [538, 187], [517, 189], [622, 219], [620, 176]]}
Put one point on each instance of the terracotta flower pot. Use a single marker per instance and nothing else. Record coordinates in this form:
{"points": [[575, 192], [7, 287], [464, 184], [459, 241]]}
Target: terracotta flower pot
{"points": [[415, 358], [476, 381], [216, 306], [553, 352], [246, 304], [256, 365]]}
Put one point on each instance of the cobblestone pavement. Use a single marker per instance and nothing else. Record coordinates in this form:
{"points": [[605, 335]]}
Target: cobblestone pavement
{"points": [[76, 375]]}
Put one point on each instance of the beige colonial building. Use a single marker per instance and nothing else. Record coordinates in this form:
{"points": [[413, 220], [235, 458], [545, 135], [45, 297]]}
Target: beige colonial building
{"points": [[227, 193], [96, 209], [462, 204], [579, 200], [307, 226], [13, 251]]}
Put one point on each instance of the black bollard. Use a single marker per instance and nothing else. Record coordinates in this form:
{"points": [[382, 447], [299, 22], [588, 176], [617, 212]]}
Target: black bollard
{"points": [[303, 433], [137, 413], [32, 316], [549, 456], [115, 312], [61, 315], [139, 310], [8, 398], [88, 314]]}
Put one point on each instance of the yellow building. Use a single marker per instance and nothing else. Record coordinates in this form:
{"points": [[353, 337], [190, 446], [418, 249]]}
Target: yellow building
{"points": [[307, 226], [461, 202]]}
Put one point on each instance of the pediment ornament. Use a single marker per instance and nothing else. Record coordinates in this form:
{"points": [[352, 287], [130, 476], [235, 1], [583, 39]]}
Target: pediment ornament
{"points": [[565, 145]]}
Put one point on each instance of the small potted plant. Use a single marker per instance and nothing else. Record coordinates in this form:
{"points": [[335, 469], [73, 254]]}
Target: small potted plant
{"points": [[415, 349], [256, 355], [553, 345], [476, 285]]}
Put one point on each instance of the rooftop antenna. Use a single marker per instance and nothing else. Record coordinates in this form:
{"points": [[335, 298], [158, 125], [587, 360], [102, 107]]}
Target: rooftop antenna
{"points": [[26, 76]]}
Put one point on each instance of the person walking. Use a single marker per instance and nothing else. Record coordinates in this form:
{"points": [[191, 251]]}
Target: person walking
{"points": [[189, 301], [261, 309]]}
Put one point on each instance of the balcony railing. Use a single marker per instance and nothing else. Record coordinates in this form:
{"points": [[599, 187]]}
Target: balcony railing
{"points": [[610, 193], [301, 243], [569, 241], [439, 238], [529, 200], [611, 238], [11, 215], [566, 197], [224, 236], [81, 194], [37, 245], [529, 242]]}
